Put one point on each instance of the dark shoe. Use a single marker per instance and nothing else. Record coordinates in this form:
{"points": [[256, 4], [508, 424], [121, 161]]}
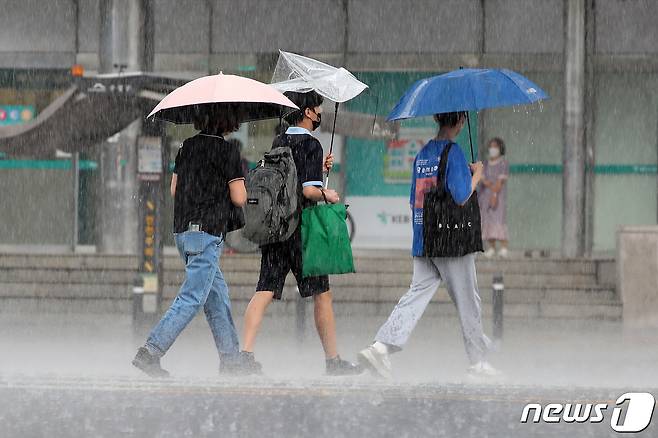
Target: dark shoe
{"points": [[340, 367], [247, 364], [233, 364], [229, 365], [149, 363]]}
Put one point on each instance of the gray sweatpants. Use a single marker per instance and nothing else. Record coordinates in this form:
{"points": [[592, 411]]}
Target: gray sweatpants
{"points": [[461, 282]]}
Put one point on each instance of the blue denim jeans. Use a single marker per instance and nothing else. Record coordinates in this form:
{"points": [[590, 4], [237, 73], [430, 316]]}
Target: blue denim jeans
{"points": [[204, 287]]}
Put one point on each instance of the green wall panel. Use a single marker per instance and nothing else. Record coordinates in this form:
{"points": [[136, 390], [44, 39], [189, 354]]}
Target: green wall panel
{"points": [[625, 133]]}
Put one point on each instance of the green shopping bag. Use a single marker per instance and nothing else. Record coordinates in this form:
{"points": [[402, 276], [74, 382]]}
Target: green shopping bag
{"points": [[326, 247]]}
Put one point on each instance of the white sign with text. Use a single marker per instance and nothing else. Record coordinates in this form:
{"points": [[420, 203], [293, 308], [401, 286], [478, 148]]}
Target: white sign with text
{"points": [[380, 221]]}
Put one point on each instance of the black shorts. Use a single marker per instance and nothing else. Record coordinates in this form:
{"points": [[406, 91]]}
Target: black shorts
{"points": [[280, 258]]}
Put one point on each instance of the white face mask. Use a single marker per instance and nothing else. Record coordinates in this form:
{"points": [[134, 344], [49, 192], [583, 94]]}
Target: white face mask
{"points": [[494, 152]]}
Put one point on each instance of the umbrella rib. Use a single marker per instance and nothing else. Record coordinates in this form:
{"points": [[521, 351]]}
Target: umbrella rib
{"points": [[525, 96]]}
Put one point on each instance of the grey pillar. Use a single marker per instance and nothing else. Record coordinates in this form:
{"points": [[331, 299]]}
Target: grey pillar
{"points": [[573, 157], [122, 28], [122, 47], [75, 226], [590, 124], [483, 132]]}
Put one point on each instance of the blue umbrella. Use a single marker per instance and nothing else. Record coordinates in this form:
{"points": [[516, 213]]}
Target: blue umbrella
{"points": [[467, 89]]}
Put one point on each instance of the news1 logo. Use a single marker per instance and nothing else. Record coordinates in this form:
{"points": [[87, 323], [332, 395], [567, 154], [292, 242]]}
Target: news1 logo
{"points": [[637, 407]]}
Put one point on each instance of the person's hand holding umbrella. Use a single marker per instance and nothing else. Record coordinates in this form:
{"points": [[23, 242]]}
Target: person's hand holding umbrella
{"points": [[331, 196], [329, 162]]}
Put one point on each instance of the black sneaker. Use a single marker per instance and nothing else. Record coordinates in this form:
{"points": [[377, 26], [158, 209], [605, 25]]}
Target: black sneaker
{"points": [[247, 364], [340, 367], [149, 363]]}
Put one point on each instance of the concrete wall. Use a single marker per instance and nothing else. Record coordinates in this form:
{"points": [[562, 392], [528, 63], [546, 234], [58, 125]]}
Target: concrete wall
{"points": [[251, 26], [181, 26], [626, 26], [637, 283], [196, 30], [35, 33], [88, 26], [527, 26], [390, 26]]}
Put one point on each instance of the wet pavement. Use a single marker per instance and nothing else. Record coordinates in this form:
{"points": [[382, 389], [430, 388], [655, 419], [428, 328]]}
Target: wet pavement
{"points": [[177, 408], [69, 375]]}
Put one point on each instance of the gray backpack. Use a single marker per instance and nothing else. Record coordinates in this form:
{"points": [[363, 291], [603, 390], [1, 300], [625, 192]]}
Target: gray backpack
{"points": [[271, 212]]}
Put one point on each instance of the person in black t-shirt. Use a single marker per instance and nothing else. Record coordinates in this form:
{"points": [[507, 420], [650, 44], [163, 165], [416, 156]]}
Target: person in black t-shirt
{"points": [[278, 259], [209, 191]]}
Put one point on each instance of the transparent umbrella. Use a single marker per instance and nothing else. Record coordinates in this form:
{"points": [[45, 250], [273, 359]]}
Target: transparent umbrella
{"points": [[302, 74]]}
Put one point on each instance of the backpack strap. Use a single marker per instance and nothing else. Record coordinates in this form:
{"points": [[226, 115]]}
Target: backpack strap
{"points": [[443, 165]]}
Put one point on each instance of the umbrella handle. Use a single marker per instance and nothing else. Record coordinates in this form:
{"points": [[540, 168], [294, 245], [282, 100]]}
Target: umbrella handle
{"points": [[333, 131], [331, 145], [470, 140]]}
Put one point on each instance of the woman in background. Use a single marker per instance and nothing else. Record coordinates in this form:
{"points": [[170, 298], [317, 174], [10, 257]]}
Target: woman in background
{"points": [[492, 198]]}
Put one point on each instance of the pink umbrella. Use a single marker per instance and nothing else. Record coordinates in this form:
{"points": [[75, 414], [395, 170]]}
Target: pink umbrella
{"points": [[250, 99]]}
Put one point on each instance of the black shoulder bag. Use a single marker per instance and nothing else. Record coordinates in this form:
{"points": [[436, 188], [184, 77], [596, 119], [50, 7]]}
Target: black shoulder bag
{"points": [[449, 229]]}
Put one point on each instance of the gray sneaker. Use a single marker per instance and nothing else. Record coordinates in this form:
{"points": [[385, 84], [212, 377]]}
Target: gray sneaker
{"points": [[376, 362], [340, 367], [149, 364], [248, 364]]}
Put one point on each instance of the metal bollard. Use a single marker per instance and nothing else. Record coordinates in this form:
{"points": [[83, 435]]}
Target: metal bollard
{"points": [[145, 304], [498, 287], [138, 300]]}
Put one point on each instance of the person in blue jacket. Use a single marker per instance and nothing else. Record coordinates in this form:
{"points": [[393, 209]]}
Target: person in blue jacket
{"points": [[429, 272]]}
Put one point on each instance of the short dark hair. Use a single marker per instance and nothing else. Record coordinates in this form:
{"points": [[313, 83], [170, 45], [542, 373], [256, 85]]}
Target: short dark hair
{"points": [[306, 100], [449, 119], [217, 120], [501, 144], [280, 128]]}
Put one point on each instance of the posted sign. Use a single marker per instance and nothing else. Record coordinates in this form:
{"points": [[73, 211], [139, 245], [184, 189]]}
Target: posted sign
{"points": [[16, 114]]}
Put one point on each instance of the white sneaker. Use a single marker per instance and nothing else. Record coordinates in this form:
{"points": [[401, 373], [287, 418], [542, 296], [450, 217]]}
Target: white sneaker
{"points": [[503, 252], [490, 253], [377, 362], [483, 369]]}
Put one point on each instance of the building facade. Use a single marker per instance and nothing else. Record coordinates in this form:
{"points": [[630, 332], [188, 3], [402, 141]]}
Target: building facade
{"points": [[611, 44]]}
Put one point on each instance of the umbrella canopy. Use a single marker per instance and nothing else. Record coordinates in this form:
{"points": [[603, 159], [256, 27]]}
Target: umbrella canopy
{"points": [[468, 89], [301, 74], [250, 99]]}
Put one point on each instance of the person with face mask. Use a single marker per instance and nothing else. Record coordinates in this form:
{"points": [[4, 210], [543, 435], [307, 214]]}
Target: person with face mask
{"points": [[492, 197], [278, 259]]}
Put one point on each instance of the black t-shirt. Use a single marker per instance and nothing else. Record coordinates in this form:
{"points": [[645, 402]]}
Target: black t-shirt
{"points": [[308, 156], [205, 165]]}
